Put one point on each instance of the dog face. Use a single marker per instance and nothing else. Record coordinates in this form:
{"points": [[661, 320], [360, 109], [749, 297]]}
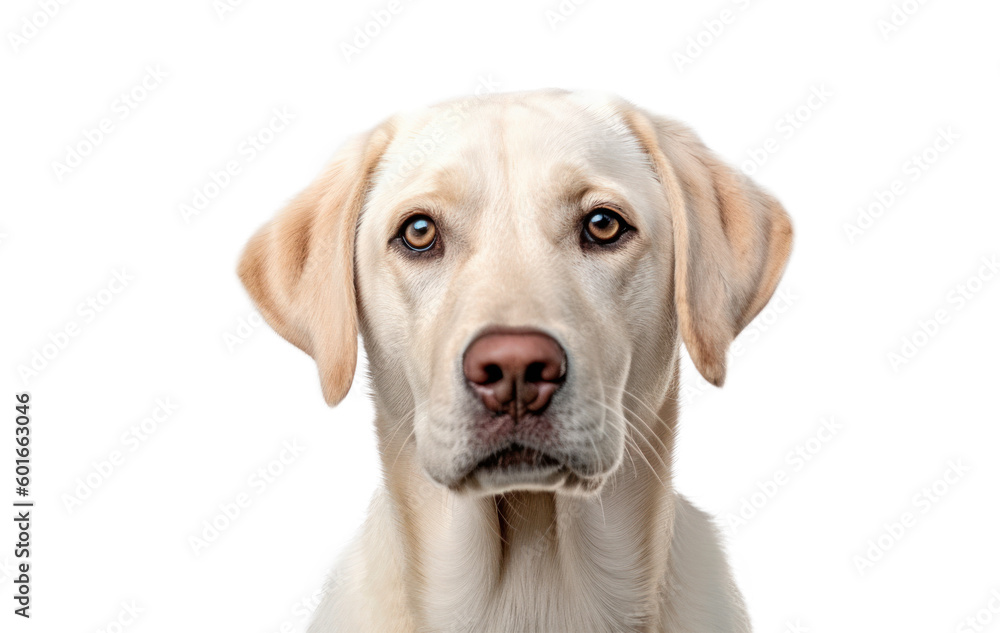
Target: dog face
{"points": [[518, 266], [538, 224]]}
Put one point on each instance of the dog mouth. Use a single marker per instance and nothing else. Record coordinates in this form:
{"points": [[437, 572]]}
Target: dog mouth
{"points": [[517, 456], [514, 467]]}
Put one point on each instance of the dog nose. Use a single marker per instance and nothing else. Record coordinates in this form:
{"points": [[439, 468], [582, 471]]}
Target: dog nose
{"points": [[515, 371]]}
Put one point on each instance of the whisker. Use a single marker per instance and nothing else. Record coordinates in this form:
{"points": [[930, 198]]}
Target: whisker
{"points": [[655, 413], [403, 446], [399, 425], [629, 424], [650, 429]]}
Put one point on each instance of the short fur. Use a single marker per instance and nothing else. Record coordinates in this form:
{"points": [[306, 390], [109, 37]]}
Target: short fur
{"points": [[610, 546]]}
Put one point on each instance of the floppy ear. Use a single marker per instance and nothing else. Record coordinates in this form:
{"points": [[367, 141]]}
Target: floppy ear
{"points": [[731, 240], [299, 268]]}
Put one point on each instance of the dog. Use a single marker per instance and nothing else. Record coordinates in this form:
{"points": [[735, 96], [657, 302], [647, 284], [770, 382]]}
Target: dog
{"points": [[522, 269]]}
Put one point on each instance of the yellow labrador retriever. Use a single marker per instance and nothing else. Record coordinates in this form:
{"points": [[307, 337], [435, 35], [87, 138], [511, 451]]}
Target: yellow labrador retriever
{"points": [[522, 269]]}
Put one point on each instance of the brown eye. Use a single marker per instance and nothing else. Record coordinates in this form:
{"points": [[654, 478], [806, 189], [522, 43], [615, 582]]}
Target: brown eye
{"points": [[603, 226], [419, 233]]}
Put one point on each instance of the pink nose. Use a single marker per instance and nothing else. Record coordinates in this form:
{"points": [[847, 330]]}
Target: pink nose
{"points": [[515, 371]]}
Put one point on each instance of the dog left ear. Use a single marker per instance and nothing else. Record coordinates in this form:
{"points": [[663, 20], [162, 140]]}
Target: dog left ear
{"points": [[299, 269], [731, 240]]}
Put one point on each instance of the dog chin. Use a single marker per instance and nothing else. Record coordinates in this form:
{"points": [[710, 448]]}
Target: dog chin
{"points": [[494, 481], [522, 469], [562, 481]]}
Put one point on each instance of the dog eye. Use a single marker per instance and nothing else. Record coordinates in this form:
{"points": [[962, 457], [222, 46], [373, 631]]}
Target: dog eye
{"points": [[603, 226], [419, 233]]}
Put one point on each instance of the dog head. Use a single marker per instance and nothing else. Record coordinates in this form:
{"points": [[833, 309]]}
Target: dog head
{"points": [[516, 265]]}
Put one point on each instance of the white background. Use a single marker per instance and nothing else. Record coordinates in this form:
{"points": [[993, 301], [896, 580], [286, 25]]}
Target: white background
{"points": [[824, 355]]}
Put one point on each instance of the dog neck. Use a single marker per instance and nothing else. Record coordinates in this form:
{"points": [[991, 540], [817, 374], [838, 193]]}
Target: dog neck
{"points": [[541, 561]]}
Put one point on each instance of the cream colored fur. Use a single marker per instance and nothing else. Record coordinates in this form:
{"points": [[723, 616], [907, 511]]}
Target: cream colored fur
{"points": [[507, 179]]}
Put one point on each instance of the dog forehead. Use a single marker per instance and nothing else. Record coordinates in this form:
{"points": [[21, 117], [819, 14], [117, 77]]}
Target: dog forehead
{"points": [[525, 137]]}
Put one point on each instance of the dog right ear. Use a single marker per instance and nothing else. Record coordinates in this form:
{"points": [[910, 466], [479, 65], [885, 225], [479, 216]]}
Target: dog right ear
{"points": [[299, 268], [732, 240]]}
